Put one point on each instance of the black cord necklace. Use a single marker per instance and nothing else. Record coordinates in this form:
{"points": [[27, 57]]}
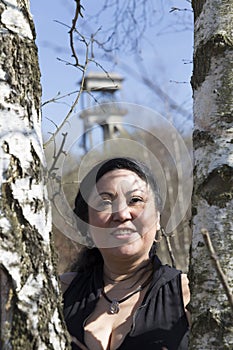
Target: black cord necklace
{"points": [[115, 304], [114, 307]]}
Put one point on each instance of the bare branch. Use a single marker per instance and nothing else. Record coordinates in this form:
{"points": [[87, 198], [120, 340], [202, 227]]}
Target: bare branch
{"points": [[71, 109], [179, 9], [55, 99], [169, 247], [83, 70], [217, 266], [146, 79], [73, 29], [56, 156]]}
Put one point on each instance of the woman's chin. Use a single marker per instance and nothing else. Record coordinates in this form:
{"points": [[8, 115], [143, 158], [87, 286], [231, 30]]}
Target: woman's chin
{"points": [[118, 242], [126, 249]]}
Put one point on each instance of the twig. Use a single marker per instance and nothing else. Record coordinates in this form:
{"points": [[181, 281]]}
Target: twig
{"points": [[55, 99], [169, 247], [217, 266], [74, 103], [73, 29], [56, 156], [179, 9], [83, 68]]}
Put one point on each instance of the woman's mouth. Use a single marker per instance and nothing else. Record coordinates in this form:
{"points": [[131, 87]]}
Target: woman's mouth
{"points": [[123, 233]]}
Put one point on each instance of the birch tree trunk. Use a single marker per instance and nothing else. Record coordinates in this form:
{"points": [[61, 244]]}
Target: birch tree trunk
{"points": [[30, 309], [212, 81]]}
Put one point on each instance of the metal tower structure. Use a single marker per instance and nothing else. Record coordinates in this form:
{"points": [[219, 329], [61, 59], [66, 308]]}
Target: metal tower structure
{"points": [[99, 107]]}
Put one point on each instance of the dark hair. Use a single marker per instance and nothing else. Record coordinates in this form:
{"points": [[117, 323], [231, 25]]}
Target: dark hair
{"points": [[88, 183], [88, 258]]}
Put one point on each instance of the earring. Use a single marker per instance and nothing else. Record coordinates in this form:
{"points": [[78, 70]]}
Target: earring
{"points": [[158, 236], [89, 241]]}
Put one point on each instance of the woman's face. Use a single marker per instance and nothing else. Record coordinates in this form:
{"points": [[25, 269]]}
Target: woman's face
{"points": [[122, 213]]}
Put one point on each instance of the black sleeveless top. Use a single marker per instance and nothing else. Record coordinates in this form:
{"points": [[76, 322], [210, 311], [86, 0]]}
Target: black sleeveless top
{"points": [[159, 322]]}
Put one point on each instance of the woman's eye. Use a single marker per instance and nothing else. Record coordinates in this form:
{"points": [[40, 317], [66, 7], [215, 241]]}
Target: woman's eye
{"points": [[136, 200], [103, 204]]}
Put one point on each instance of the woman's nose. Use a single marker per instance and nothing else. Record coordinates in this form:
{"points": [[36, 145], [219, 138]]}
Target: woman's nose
{"points": [[121, 211]]}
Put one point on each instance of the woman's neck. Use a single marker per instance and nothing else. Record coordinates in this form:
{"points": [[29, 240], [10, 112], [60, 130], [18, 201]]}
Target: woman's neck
{"points": [[125, 272]]}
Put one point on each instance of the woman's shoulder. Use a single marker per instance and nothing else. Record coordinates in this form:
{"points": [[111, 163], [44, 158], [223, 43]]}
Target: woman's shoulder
{"points": [[81, 279], [164, 272], [66, 279], [171, 274]]}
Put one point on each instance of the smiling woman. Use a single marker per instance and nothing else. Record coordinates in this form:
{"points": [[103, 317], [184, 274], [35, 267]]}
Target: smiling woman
{"points": [[121, 296], [122, 212]]}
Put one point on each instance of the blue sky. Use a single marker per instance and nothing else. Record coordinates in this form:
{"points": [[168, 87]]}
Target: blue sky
{"points": [[164, 55]]}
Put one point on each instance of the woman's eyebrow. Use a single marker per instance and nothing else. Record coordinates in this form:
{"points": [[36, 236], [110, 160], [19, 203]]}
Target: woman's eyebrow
{"points": [[106, 192], [98, 194], [113, 195], [135, 190]]}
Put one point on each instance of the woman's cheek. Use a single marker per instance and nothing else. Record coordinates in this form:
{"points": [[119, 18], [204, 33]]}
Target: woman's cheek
{"points": [[147, 221]]}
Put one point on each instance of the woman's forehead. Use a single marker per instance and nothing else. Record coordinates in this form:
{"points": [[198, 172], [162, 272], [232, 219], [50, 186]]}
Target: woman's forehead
{"points": [[120, 177]]}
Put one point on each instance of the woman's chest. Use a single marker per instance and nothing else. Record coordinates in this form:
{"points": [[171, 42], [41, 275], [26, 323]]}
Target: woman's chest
{"points": [[106, 331]]}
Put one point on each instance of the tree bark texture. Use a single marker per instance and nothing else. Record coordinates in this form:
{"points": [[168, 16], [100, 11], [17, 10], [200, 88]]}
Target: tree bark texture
{"points": [[212, 82], [30, 306]]}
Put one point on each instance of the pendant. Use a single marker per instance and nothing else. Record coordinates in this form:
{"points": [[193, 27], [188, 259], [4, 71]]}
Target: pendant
{"points": [[114, 307]]}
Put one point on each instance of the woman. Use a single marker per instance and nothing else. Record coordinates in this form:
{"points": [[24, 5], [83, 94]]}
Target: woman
{"points": [[121, 296]]}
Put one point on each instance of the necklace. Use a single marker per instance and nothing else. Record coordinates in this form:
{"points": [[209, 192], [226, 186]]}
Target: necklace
{"points": [[114, 307], [115, 304]]}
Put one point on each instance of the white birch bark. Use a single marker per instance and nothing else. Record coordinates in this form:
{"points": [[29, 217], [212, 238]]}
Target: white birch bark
{"points": [[212, 81], [30, 308]]}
